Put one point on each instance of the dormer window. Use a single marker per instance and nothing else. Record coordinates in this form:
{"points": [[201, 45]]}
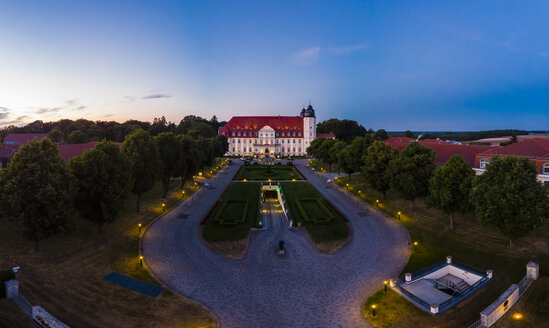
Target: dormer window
{"points": [[233, 134], [299, 134], [239, 134], [483, 163], [244, 133]]}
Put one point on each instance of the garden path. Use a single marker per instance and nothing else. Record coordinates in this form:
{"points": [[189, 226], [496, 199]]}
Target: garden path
{"points": [[299, 289]]}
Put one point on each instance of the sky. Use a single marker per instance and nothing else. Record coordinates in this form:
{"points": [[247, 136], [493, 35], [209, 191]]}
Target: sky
{"points": [[397, 65]]}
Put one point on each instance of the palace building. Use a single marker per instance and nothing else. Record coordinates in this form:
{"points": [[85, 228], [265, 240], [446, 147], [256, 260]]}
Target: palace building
{"points": [[271, 135]]}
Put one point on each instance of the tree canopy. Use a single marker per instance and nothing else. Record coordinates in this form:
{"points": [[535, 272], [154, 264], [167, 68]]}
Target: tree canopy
{"points": [[104, 179], [342, 129], [146, 165], [509, 197], [376, 161], [38, 190], [411, 171], [170, 154], [450, 187]]}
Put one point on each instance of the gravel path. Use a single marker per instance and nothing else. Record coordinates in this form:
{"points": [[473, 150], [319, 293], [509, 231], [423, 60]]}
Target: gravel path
{"points": [[299, 289]]}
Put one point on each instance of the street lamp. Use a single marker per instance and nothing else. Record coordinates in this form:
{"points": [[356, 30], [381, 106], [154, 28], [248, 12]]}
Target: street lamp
{"points": [[139, 225], [141, 261], [415, 245], [399, 215], [377, 202], [517, 316], [385, 285], [163, 207], [373, 310]]}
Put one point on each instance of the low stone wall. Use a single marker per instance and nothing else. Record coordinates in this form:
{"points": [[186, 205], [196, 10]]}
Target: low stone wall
{"points": [[46, 320]]}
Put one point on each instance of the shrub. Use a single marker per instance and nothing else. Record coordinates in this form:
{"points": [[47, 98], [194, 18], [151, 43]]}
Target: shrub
{"points": [[544, 303]]}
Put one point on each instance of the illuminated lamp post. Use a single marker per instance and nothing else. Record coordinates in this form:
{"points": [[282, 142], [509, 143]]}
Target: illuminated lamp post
{"points": [[415, 245], [385, 285], [399, 215], [163, 207], [377, 202], [139, 225], [141, 261], [373, 310]]}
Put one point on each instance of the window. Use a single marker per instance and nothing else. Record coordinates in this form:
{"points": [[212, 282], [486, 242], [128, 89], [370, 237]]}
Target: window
{"points": [[483, 162], [299, 134], [299, 140], [239, 134], [244, 133], [238, 140], [232, 140], [277, 134], [244, 141], [283, 134], [261, 135], [233, 149], [233, 134], [310, 134], [223, 133], [293, 134], [545, 168], [282, 140], [546, 184], [294, 140]]}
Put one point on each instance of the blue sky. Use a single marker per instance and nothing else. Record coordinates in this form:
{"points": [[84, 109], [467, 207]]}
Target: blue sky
{"points": [[419, 65]]}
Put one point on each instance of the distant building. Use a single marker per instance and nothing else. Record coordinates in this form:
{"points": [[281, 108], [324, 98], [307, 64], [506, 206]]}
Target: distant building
{"points": [[536, 150], [271, 135], [19, 139]]}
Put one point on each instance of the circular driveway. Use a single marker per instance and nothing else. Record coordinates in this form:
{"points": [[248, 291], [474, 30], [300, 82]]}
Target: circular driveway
{"points": [[300, 289]]}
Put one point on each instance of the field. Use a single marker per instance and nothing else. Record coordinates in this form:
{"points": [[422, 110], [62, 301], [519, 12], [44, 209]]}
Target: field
{"points": [[470, 242], [228, 224], [65, 277], [328, 232], [263, 173]]}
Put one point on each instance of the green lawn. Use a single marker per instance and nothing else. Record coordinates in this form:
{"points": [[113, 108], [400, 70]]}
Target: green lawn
{"points": [[328, 234], [234, 214], [263, 173], [470, 242], [65, 277]]}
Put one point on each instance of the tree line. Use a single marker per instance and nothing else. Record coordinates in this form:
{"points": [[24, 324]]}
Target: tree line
{"points": [[507, 195], [44, 193], [82, 131]]}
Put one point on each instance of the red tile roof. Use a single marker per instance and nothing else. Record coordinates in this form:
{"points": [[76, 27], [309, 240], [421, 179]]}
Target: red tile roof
{"points": [[22, 138], [532, 148], [446, 150], [325, 135], [398, 142], [255, 123], [71, 150]]}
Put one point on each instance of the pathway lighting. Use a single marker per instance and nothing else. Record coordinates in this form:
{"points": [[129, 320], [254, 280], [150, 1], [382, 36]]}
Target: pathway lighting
{"points": [[139, 225], [347, 185], [517, 316], [373, 310], [293, 180], [377, 202], [141, 261], [415, 245], [244, 180], [163, 207], [385, 285], [399, 215]]}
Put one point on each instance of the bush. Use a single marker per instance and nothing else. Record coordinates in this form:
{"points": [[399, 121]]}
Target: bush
{"points": [[544, 303], [5, 275]]}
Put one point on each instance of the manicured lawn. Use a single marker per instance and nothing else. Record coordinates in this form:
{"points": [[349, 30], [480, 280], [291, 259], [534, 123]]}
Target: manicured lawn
{"points": [[470, 242], [65, 277], [329, 234], [224, 223], [263, 173]]}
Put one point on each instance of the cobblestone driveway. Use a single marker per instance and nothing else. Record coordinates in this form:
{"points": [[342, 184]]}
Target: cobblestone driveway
{"points": [[300, 289]]}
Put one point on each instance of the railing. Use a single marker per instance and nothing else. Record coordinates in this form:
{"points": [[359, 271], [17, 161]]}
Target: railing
{"points": [[416, 299], [477, 324], [463, 294], [432, 268]]}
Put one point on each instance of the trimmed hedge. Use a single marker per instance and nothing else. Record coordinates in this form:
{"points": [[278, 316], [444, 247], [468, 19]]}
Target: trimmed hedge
{"points": [[223, 216], [307, 215]]}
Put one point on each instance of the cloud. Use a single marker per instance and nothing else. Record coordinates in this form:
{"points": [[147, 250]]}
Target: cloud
{"points": [[44, 110], [80, 108], [307, 56], [156, 96], [21, 118], [71, 104], [347, 49], [4, 112], [108, 115]]}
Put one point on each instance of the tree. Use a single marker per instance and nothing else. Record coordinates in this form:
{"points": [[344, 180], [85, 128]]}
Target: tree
{"points": [[38, 189], [344, 161], [221, 145], [104, 179], [409, 134], [323, 151], [191, 157], [511, 141], [381, 134], [333, 151], [146, 165], [357, 150], [55, 135], [376, 161], [411, 171], [313, 148], [509, 197], [450, 187], [170, 156], [77, 137], [201, 129], [342, 129]]}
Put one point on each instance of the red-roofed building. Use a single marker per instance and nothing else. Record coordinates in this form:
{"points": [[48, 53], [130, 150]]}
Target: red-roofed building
{"points": [[19, 139], [537, 150], [270, 135], [326, 135], [71, 150]]}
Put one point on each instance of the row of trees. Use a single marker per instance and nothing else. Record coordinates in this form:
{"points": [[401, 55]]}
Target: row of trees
{"points": [[507, 195], [347, 130], [44, 193], [82, 131]]}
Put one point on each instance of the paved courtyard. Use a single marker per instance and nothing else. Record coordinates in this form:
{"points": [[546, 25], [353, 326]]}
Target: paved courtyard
{"points": [[300, 289]]}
